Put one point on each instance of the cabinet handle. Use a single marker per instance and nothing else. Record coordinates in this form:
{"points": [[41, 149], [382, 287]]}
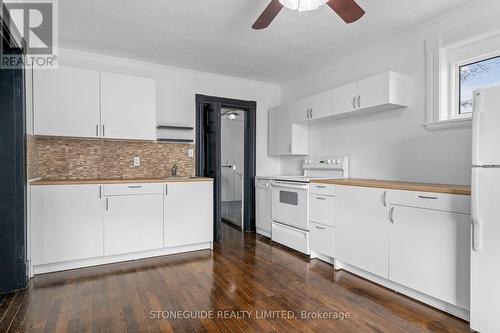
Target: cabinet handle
{"points": [[103, 130], [426, 197], [311, 113], [354, 102], [320, 228], [290, 148], [96, 129], [100, 191], [391, 215], [135, 186], [320, 198], [166, 189], [320, 186], [307, 113], [359, 101], [385, 198], [107, 204]]}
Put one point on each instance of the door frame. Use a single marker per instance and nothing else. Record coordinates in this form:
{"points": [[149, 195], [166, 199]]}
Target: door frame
{"points": [[249, 108]]}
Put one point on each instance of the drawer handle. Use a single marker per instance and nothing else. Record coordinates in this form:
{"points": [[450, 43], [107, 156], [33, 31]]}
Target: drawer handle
{"points": [[320, 228], [426, 197], [319, 198], [320, 186], [135, 186]]}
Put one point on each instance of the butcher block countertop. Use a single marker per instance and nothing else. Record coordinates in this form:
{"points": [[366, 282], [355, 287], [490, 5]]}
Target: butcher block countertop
{"points": [[394, 185], [119, 181]]}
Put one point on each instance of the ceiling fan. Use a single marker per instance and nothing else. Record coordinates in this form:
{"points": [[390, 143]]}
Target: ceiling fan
{"points": [[348, 10]]}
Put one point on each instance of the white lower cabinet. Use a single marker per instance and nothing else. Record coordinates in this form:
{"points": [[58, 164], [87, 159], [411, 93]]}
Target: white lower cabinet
{"points": [[133, 223], [429, 252], [188, 210], [362, 229], [321, 239], [263, 200], [66, 223]]}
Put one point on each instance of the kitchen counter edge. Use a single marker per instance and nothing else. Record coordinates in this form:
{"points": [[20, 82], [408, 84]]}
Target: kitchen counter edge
{"points": [[36, 182], [398, 185]]}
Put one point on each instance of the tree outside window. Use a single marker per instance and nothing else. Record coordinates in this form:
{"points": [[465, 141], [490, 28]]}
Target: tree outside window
{"points": [[473, 76]]}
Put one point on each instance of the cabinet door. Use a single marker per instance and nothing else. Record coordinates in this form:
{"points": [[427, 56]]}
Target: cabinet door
{"points": [[66, 102], [128, 107], [362, 229], [300, 110], [263, 211], [373, 91], [133, 223], [322, 105], [188, 212], [66, 223], [280, 132], [429, 252], [344, 98]]}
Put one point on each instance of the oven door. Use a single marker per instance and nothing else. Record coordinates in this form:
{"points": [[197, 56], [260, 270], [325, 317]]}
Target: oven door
{"points": [[290, 205]]}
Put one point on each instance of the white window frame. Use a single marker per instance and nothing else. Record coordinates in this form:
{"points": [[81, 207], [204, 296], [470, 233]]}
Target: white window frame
{"points": [[455, 84], [444, 56]]}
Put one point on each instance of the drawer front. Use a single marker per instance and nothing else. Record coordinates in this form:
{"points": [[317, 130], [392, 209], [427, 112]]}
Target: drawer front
{"points": [[321, 239], [293, 238], [427, 200], [323, 189], [322, 209], [131, 189]]}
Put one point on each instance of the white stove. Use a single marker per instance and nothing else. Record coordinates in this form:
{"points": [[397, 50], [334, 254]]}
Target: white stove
{"points": [[290, 199]]}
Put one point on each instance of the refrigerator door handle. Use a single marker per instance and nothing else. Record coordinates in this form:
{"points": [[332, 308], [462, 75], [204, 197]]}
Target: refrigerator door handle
{"points": [[476, 223], [476, 122]]}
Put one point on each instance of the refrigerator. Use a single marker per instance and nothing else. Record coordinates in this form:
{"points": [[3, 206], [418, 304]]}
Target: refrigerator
{"points": [[485, 212]]}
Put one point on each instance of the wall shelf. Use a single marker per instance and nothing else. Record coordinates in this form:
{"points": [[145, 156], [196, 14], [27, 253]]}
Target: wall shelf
{"points": [[175, 140], [173, 127]]}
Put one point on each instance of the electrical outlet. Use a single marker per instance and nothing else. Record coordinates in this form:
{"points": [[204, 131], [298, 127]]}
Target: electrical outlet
{"points": [[190, 152], [137, 161]]}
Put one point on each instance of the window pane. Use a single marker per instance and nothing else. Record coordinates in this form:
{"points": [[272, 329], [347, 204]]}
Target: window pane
{"points": [[482, 74]]}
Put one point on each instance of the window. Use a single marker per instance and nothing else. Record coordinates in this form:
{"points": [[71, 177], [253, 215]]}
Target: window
{"points": [[458, 63], [480, 74]]}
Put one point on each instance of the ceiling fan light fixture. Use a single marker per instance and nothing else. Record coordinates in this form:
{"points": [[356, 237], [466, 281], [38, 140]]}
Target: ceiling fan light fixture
{"points": [[303, 5]]}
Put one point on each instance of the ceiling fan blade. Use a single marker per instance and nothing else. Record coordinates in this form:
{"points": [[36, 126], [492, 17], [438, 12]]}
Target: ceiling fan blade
{"points": [[348, 10], [268, 15]]}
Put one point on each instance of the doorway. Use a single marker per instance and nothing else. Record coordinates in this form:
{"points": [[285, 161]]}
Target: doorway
{"points": [[232, 161], [225, 151]]}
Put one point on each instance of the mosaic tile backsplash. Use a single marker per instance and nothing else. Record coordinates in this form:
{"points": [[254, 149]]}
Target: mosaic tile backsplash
{"points": [[70, 158]]}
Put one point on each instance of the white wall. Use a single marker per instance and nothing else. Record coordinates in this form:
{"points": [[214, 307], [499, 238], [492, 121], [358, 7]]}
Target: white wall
{"points": [[392, 145], [176, 89]]}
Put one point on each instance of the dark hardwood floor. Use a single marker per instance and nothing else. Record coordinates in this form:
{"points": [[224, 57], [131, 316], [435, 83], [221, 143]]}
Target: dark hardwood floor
{"points": [[243, 276]]}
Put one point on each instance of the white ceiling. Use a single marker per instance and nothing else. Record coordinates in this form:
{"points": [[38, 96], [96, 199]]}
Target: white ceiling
{"points": [[216, 35]]}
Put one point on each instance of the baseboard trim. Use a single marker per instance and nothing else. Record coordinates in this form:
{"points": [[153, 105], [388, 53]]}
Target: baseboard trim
{"points": [[63, 266], [426, 299]]}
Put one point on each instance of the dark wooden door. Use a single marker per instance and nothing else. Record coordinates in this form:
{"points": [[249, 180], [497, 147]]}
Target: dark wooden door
{"points": [[212, 157]]}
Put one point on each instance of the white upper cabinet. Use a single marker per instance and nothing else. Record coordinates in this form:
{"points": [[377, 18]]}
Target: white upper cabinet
{"points": [[66, 102], [285, 136], [128, 107], [344, 99], [385, 91], [84, 103], [321, 105]]}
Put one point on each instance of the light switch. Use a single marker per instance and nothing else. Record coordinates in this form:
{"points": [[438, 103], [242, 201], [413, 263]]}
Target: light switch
{"points": [[137, 161], [190, 152]]}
